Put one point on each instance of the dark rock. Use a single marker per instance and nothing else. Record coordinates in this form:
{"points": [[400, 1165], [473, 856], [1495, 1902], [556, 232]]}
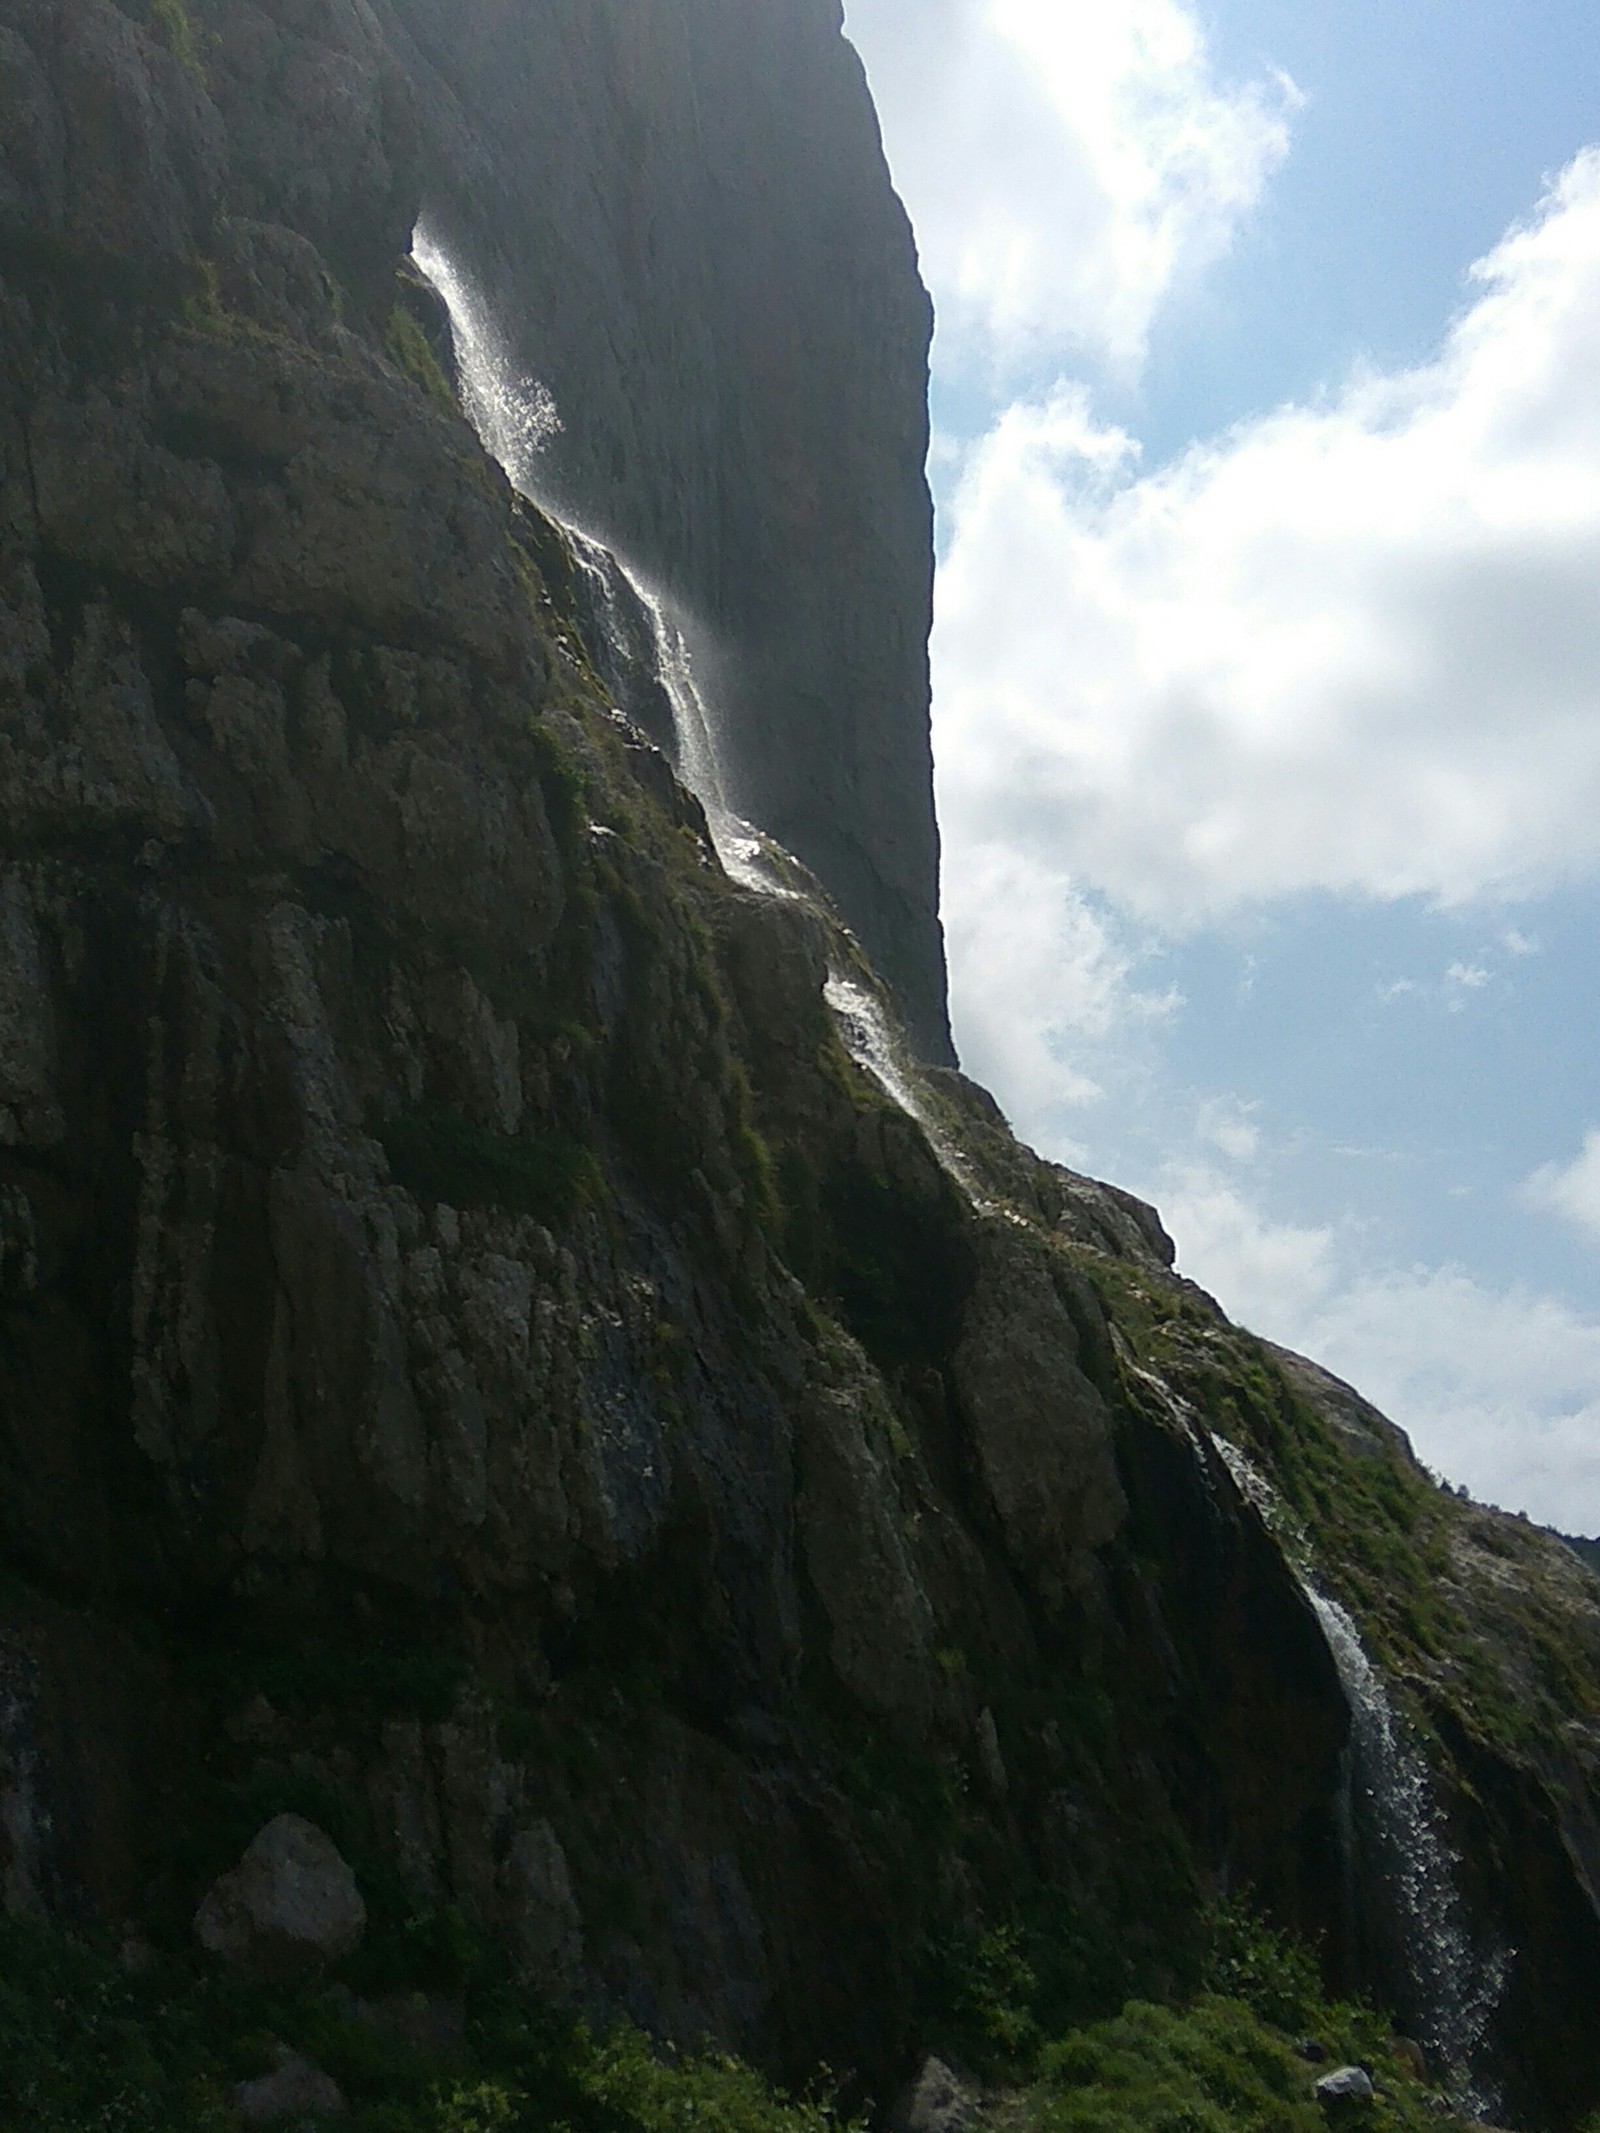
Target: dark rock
{"points": [[1041, 1429], [1311, 2049], [451, 1276], [290, 1908], [1408, 2053], [294, 2088], [545, 1921], [934, 2101], [725, 199]]}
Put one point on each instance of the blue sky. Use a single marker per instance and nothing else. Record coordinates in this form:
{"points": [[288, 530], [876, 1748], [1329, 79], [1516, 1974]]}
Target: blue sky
{"points": [[1267, 667]]}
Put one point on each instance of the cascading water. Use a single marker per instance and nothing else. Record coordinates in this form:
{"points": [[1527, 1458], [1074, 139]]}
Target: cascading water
{"points": [[1393, 1824], [1396, 1828], [515, 418], [640, 647], [1391, 1831]]}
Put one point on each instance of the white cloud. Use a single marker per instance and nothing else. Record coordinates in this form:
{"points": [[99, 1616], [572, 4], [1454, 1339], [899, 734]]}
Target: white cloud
{"points": [[1499, 1388], [1572, 1191], [1067, 163], [1270, 1274], [1230, 1127], [1048, 981], [1351, 648]]}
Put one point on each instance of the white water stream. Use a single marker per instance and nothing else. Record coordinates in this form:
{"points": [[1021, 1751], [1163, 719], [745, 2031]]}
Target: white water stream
{"points": [[515, 418], [1390, 1826], [1396, 1827]]}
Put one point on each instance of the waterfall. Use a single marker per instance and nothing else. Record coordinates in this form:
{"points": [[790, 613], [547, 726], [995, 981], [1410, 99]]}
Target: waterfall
{"points": [[1391, 1832], [641, 654], [514, 417], [1395, 1823]]}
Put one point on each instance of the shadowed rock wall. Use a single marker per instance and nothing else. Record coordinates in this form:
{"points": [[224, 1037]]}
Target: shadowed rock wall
{"points": [[683, 220]]}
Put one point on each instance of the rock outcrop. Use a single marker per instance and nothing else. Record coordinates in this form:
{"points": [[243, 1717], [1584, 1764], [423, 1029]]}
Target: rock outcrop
{"points": [[482, 1369], [290, 1908]]}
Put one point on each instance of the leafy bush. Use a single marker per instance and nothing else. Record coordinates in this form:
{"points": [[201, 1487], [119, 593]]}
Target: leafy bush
{"points": [[85, 2048]]}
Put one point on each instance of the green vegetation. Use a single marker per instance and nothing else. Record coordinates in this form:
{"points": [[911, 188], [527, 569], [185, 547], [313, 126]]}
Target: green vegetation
{"points": [[1222, 2059], [408, 350], [1212, 2067], [171, 17], [1373, 1527], [87, 2048], [440, 1156]]}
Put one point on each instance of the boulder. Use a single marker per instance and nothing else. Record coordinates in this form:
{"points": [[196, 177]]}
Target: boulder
{"points": [[1346, 2084], [934, 2102], [1408, 2053], [544, 1911], [294, 2088], [290, 1908]]}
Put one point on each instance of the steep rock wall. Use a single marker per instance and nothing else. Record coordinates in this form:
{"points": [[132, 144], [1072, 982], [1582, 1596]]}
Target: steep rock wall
{"points": [[682, 220]]}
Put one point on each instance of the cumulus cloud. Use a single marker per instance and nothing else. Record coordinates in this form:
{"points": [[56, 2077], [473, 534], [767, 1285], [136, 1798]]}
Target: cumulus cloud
{"points": [[1352, 647], [1048, 983], [1571, 1191], [1498, 1387], [1067, 162], [1272, 1274]]}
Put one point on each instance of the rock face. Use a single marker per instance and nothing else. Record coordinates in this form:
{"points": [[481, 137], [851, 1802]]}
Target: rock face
{"points": [[481, 1367], [710, 273], [289, 1909]]}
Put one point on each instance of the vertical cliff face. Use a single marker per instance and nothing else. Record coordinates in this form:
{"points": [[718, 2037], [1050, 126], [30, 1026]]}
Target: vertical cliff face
{"points": [[682, 220]]}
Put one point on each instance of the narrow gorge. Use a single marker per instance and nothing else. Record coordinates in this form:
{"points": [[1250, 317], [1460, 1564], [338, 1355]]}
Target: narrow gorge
{"points": [[536, 1402]]}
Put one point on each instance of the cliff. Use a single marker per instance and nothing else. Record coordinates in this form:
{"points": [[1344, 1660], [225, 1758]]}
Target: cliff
{"points": [[681, 220], [486, 1370]]}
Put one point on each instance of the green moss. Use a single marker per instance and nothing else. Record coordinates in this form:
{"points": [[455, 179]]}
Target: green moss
{"points": [[565, 790], [171, 17], [407, 347], [439, 1156]]}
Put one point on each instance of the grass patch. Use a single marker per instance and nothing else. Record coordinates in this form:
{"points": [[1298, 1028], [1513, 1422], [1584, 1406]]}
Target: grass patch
{"points": [[1224, 2060], [407, 348], [1213, 2067]]}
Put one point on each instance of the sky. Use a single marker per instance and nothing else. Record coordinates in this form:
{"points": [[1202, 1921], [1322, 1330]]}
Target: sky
{"points": [[1267, 657]]}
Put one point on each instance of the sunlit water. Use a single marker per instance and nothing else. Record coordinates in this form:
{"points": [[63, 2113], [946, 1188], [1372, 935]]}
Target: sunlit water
{"points": [[1391, 1827], [515, 418]]}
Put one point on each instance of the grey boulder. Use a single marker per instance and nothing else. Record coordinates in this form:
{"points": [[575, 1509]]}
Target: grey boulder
{"points": [[290, 1908], [934, 2102], [1346, 2084]]}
